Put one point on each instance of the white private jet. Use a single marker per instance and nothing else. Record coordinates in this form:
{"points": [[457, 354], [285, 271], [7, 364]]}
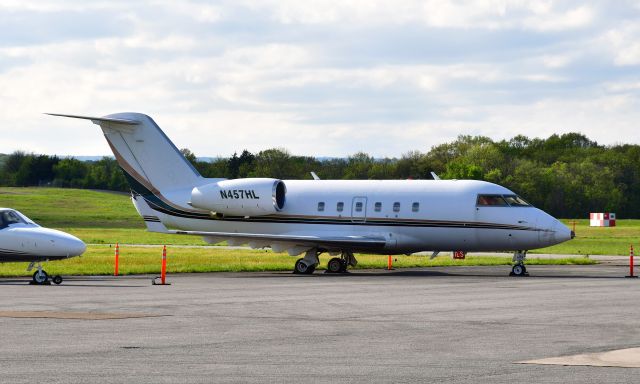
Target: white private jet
{"points": [[314, 216], [23, 240]]}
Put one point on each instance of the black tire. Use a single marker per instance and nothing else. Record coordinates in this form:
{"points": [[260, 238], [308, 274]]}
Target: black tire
{"points": [[40, 277], [518, 270], [302, 268], [335, 265], [57, 279], [344, 265]]}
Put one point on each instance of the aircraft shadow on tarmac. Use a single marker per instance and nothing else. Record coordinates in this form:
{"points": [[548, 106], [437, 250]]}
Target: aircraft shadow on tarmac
{"points": [[536, 274], [558, 272], [72, 281]]}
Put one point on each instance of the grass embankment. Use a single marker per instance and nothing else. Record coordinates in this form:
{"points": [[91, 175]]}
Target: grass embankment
{"points": [[106, 218], [598, 240], [96, 217]]}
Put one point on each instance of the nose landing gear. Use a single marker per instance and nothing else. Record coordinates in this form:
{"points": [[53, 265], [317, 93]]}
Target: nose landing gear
{"points": [[519, 268], [41, 277]]}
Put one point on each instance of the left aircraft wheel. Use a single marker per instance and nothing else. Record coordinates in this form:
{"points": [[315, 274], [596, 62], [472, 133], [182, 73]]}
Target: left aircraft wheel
{"points": [[57, 279], [40, 277], [302, 268], [343, 265], [335, 265]]}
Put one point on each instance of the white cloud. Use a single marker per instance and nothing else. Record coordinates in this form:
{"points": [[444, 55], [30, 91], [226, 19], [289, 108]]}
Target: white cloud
{"points": [[320, 78], [491, 14], [624, 43]]}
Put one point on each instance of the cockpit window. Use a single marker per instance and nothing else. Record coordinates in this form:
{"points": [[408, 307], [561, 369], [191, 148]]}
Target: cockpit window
{"points": [[491, 200], [501, 201], [10, 217], [516, 201]]}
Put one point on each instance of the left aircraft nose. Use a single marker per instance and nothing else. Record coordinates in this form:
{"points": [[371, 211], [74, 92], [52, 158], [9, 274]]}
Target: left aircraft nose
{"points": [[74, 246], [69, 244]]}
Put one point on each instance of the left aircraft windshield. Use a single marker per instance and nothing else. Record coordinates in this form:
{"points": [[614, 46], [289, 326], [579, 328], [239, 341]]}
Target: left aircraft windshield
{"points": [[10, 217]]}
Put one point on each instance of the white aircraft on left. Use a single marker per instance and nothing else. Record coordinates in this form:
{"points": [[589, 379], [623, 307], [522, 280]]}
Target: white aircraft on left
{"points": [[23, 240]]}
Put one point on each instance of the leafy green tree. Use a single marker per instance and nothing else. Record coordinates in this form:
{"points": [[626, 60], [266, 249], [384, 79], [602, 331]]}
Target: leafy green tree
{"points": [[358, 166], [272, 163]]}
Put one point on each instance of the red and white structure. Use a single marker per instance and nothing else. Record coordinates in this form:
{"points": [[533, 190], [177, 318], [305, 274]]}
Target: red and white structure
{"points": [[606, 219]]}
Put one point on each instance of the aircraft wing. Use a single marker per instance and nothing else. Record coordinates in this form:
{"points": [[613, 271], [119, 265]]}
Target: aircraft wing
{"points": [[293, 244], [287, 242]]}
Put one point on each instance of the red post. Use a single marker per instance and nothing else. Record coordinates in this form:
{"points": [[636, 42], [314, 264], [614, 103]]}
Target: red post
{"points": [[389, 263], [117, 264], [163, 273], [631, 262]]}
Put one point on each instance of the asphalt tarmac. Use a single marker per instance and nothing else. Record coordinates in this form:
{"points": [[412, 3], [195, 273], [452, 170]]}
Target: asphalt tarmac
{"points": [[445, 325]]}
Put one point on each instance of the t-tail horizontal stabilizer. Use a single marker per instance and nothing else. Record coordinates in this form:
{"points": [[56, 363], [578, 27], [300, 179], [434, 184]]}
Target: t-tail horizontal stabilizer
{"points": [[98, 120]]}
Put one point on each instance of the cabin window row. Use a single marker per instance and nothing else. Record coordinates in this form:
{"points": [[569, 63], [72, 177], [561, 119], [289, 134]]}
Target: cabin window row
{"points": [[377, 207]]}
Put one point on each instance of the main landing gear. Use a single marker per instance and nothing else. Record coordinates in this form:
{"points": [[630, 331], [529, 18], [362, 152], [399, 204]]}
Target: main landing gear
{"points": [[40, 277], [307, 265], [519, 268], [340, 264]]}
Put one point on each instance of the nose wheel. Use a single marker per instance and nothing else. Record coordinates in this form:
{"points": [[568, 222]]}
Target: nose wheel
{"points": [[519, 268], [41, 277]]}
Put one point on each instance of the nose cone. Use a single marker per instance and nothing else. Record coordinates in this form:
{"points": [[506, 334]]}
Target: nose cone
{"points": [[74, 246], [64, 244], [552, 231], [563, 233]]}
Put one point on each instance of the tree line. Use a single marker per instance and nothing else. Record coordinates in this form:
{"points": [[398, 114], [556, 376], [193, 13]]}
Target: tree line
{"points": [[566, 175]]}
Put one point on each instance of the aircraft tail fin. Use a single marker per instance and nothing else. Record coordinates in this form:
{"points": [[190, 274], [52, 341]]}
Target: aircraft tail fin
{"points": [[146, 155], [151, 218]]}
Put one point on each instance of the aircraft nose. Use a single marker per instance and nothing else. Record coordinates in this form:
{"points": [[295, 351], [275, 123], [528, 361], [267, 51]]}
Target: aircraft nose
{"points": [[73, 246], [563, 233], [77, 247], [552, 231]]}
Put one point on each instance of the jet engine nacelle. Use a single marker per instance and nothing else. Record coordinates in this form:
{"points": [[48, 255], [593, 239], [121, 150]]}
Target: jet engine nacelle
{"points": [[241, 197]]}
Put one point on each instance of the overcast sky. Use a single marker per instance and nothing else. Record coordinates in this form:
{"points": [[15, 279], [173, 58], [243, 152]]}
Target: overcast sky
{"points": [[320, 78]]}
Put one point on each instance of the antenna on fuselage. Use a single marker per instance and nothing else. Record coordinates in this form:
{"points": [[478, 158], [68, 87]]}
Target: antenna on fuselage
{"points": [[435, 177], [315, 177]]}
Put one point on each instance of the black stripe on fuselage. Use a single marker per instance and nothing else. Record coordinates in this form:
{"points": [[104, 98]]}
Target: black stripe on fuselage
{"points": [[158, 205], [10, 256]]}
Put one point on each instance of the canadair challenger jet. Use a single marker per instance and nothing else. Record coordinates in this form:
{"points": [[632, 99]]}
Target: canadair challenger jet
{"points": [[23, 240], [310, 217]]}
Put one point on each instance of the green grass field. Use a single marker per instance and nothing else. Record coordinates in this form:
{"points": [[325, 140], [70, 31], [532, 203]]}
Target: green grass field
{"points": [[108, 218], [99, 260], [72, 208], [598, 240]]}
